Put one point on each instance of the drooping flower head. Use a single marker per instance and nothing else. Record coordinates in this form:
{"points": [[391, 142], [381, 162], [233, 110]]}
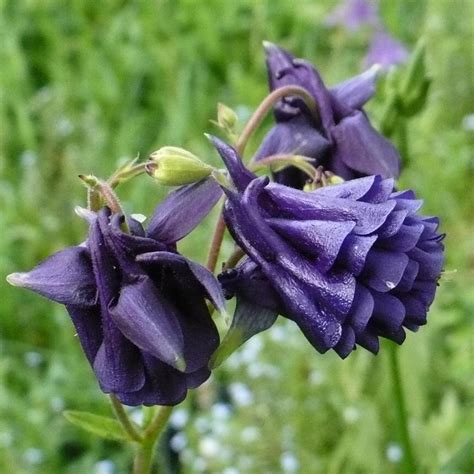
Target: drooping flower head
{"points": [[348, 263], [138, 306], [341, 139]]}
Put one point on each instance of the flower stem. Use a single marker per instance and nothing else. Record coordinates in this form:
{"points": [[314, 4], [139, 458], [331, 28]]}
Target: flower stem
{"points": [[146, 449], [124, 420], [216, 243], [402, 418], [265, 107], [253, 123]]}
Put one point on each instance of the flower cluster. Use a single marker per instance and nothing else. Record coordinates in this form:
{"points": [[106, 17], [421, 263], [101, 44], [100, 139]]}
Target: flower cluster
{"points": [[341, 139], [139, 308], [348, 263]]}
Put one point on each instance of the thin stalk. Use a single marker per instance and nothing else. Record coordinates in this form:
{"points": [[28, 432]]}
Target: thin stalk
{"points": [[402, 418], [216, 243], [253, 123], [124, 420], [146, 449], [265, 107]]}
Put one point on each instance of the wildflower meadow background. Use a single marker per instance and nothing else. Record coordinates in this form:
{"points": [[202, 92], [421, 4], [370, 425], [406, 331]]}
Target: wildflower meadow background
{"points": [[85, 86]]}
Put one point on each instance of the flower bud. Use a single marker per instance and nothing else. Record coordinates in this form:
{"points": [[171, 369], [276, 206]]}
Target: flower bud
{"points": [[174, 166], [226, 117]]}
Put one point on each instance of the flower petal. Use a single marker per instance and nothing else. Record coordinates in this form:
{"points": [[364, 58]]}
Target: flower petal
{"points": [[357, 90], [88, 324], [145, 318], [65, 277], [164, 385], [363, 149], [182, 210]]}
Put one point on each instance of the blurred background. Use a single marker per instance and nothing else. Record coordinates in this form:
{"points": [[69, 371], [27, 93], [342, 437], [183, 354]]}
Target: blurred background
{"points": [[86, 85]]}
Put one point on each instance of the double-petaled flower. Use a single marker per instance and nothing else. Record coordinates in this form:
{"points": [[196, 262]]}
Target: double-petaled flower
{"points": [[138, 306], [341, 139], [348, 263]]}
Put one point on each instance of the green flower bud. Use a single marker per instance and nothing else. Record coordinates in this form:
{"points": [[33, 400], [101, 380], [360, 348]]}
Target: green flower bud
{"points": [[174, 166], [226, 117]]}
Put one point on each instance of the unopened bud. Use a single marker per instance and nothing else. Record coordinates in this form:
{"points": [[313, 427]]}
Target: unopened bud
{"points": [[174, 166], [226, 117]]}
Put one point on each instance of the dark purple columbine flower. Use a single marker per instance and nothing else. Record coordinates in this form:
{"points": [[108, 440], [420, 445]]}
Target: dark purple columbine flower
{"points": [[348, 263], [385, 51], [353, 14], [342, 140], [139, 307]]}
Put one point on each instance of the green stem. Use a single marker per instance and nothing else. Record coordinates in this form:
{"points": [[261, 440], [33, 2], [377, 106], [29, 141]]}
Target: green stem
{"points": [[146, 449], [402, 418], [253, 123], [124, 420]]}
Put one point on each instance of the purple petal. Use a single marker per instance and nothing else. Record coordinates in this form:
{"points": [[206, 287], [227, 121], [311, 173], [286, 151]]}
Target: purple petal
{"points": [[297, 204], [347, 342], [296, 137], [202, 275], [118, 364], [386, 51], [285, 70], [384, 270], [144, 316], [88, 324], [240, 175], [164, 385], [363, 149], [319, 239], [362, 309], [182, 210], [353, 14], [404, 240], [389, 311], [65, 277], [356, 91], [173, 276], [353, 252]]}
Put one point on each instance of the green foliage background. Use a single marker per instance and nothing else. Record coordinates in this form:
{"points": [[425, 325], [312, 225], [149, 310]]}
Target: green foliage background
{"points": [[84, 85]]}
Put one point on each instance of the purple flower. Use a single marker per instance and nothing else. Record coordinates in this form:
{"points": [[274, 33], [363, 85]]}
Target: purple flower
{"points": [[139, 307], [385, 51], [342, 139], [348, 263], [353, 14]]}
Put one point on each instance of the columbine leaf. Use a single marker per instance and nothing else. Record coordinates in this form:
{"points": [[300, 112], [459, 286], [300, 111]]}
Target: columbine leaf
{"points": [[102, 426]]}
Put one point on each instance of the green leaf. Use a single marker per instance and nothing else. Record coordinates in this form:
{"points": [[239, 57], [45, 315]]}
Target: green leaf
{"points": [[102, 426], [461, 461]]}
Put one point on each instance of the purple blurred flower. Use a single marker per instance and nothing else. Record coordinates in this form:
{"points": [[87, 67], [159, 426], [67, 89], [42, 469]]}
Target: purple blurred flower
{"points": [[353, 14], [385, 51], [138, 306], [342, 139], [348, 263]]}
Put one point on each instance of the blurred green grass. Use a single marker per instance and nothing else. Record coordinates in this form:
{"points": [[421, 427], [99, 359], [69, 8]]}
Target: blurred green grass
{"points": [[85, 85]]}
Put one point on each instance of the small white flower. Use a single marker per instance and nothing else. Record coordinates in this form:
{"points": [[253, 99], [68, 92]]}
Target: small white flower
{"points": [[240, 394], [178, 442], [289, 463], [394, 453], [104, 467], [33, 456], [179, 418]]}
